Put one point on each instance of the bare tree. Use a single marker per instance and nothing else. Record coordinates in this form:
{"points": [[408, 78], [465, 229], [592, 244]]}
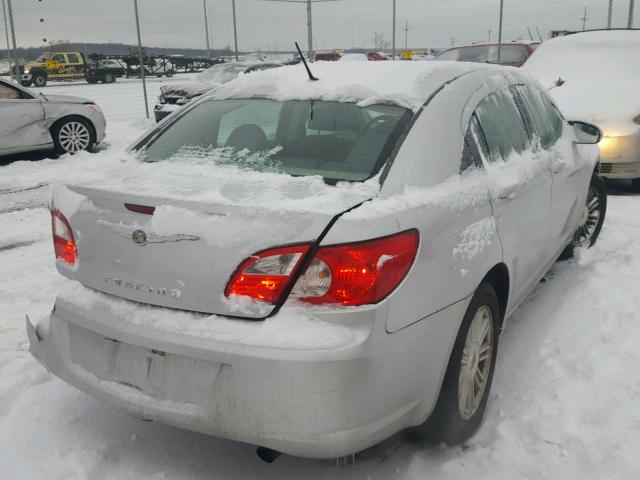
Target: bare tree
{"points": [[379, 42]]}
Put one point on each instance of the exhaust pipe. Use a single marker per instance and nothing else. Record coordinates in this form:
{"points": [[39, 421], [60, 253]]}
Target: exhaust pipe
{"points": [[267, 455]]}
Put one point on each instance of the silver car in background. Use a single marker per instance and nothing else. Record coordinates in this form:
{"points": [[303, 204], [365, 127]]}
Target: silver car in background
{"points": [[320, 325], [600, 74], [31, 121]]}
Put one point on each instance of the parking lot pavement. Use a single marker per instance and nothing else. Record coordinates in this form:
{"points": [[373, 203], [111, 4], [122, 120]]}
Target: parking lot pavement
{"points": [[565, 401]]}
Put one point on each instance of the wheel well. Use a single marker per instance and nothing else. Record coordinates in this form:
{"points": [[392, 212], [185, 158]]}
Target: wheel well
{"points": [[498, 278], [77, 117]]}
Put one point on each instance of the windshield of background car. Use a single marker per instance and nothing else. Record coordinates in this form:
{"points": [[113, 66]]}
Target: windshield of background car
{"points": [[486, 54], [338, 141]]}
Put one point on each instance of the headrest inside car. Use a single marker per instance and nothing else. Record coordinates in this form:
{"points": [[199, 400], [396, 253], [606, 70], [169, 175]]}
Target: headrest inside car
{"points": [[336, 117]]}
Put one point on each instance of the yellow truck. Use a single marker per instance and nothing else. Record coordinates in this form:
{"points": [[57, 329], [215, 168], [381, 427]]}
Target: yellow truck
{"points": [[67, 66]]}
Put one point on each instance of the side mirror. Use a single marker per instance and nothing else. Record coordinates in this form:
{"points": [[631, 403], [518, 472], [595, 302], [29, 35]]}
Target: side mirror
{"points": [[586, 134]]}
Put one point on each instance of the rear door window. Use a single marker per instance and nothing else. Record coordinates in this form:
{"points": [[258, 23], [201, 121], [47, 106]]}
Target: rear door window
{"points": [[73, 58], [502, 126]]}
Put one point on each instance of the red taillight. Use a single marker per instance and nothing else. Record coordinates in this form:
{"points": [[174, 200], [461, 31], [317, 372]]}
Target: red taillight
{"points": [[63, 241], [359, 273], [265, 275], [352, 274]]}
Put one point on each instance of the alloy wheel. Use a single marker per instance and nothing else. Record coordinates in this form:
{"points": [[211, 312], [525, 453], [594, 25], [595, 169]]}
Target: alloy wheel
{"points": [[74, 137], [475, 367], [590, 219]]}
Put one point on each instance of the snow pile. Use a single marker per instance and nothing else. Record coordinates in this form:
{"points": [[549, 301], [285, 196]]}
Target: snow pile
{"points": [[406, 84], [209, 181], [476, 186], [602, 73], [293, 328]]}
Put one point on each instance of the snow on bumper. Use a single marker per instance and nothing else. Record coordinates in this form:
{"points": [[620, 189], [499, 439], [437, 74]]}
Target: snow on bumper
{"points": [[313, 403]]}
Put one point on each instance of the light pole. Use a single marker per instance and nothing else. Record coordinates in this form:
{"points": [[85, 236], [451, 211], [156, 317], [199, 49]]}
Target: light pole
{"points": [[235, 28], [309, 20], [630, 22], [141, 59], [609, 14], [206, 27], [6, 31], [15, 47], [393, 34], [500, 31]]}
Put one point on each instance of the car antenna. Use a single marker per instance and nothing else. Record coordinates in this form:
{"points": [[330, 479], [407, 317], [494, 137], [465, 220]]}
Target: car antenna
{"points": [[306, 65]]}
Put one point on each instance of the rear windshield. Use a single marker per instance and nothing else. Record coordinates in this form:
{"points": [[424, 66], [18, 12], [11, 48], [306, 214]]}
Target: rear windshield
{"points": [[338, 141]]}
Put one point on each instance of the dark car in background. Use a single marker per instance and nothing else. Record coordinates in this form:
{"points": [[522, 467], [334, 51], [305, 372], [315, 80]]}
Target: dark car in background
{"points": [[175, 96], [327, 57], [512, 54]]}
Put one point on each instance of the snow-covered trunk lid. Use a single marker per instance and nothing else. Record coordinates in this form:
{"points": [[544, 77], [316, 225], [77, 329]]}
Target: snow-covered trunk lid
{"points": [[182, 254]]}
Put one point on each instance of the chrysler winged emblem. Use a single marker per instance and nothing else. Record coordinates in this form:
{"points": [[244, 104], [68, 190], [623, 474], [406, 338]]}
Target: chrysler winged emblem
{"points": [[139, 237]]}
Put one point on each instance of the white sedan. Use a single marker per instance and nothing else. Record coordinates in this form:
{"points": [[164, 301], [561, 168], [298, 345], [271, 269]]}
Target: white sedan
{"points": [[31, 121], [312, 267]]}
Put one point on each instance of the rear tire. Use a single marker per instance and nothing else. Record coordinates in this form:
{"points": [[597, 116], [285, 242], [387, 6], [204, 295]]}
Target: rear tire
{"points": [[467, 382], [26, 83], [40, 81], [73, 135], [108, 78]]}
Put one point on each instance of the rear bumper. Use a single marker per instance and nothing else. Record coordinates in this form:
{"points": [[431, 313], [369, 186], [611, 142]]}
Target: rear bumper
{"points": [[317, 404]]}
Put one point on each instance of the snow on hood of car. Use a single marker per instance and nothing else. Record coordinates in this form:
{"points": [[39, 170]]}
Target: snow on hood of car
{"points": [[602, 74], [186, 89], [66, 99], [406, 84]]}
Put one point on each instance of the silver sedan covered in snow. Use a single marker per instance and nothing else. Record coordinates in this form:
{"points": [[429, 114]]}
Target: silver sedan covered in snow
{"points": [[30, 122], [312, 267]]}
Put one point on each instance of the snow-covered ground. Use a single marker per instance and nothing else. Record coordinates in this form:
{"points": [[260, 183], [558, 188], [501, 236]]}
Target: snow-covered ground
{"points": [[565, 401]]}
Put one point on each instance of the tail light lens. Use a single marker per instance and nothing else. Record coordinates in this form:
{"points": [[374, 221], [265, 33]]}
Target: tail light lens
{"points": [[351, 274], [359, 273], [64, 244], [265, 275]]}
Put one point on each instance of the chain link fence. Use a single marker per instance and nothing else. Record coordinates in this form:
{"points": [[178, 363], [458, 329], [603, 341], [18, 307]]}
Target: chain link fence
{"points": [[70, 39]]}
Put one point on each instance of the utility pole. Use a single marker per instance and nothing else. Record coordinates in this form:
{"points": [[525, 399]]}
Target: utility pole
{"points": [[141, 59], [6, 31], [500, 31], [489, 32], [631, 8], [584, 19], [393, 35], [610, 14], [309, 20], [406, 36], [206, 28], [310, 31], [15, 47], [235, 28]]}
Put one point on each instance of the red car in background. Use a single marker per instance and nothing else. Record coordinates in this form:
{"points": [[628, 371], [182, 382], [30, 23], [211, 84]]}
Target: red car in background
{"points": [[376, 56], [513, 54]]}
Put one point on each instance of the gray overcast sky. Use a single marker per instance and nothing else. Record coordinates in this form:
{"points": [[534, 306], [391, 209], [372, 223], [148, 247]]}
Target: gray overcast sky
{"points": [[264, 24]]}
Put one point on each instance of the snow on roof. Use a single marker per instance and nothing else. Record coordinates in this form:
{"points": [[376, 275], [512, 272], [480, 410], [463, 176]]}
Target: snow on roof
{"points": [[406, 84], [602, 73]]}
